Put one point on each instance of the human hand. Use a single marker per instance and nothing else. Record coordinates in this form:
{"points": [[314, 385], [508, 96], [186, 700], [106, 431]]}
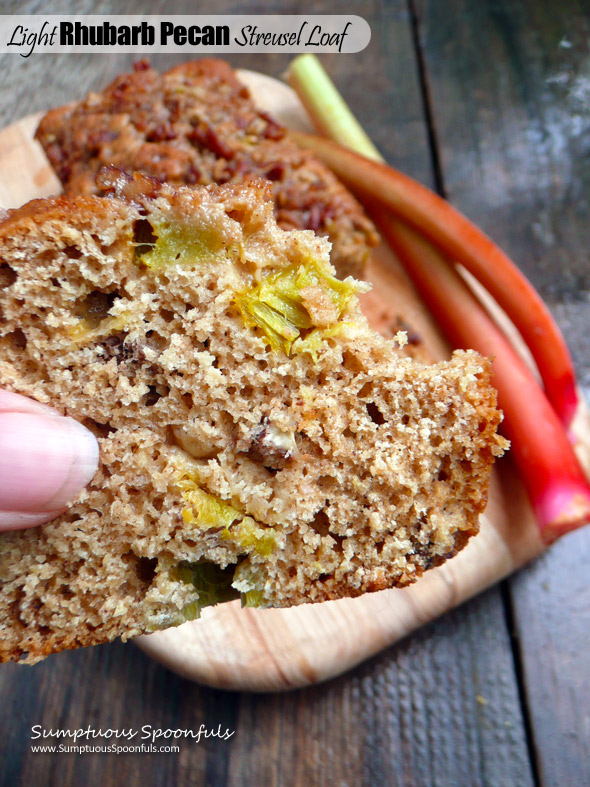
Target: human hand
{"points": [[45, 460]]}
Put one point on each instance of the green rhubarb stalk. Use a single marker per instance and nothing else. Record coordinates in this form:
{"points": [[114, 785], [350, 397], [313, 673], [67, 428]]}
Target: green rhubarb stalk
{"points": [[326, 107], [555, 482], [439, 221], [463, 242]]}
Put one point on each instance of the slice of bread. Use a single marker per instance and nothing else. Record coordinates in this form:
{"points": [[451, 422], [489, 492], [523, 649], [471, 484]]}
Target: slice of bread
{"points": [[257, 437], [195, 125]]}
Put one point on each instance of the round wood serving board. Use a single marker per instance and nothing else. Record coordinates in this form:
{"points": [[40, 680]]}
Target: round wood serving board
{"points": [[269, 650]]}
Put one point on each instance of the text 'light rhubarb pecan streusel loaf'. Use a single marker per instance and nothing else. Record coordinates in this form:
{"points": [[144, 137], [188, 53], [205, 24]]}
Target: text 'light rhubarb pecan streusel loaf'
{"points": [[257, 438], [197, 124]]}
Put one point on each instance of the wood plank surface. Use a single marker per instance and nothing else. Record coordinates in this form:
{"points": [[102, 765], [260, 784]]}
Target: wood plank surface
{"points": [[510, 90], [440, 708], [234, 648]]}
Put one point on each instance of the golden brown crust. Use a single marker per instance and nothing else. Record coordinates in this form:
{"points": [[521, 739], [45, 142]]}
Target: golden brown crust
{"points": [[327, 467], [195, 125]]}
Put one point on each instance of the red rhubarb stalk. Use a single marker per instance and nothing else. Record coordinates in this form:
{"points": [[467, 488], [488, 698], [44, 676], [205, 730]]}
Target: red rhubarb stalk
{"points": [[553, 478], [463, 242]]}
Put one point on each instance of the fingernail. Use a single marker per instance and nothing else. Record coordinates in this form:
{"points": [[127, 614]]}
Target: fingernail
{"points": [[45, 461], [15, 403], [19, 520]]}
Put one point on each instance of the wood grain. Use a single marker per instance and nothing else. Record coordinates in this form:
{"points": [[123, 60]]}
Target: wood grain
{"points": [[265, 650], [398, 716], [509, 94], [377, 727], [416, 715]]}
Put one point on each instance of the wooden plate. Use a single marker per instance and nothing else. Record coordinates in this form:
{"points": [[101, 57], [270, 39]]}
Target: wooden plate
{"points": [[268, 650]]}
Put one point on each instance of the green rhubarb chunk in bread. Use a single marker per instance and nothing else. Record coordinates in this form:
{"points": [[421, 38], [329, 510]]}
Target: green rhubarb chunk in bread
{"points": [[257, 438]]}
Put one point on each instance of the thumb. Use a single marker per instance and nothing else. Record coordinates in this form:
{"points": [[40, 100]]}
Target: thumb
{"points": [[45, 461]]}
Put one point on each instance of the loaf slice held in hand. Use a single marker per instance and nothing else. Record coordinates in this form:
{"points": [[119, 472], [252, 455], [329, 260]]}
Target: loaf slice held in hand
{"points": [[257, 438]]}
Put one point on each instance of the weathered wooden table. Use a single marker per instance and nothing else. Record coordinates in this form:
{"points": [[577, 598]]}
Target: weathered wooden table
{"points": [[489, 102]]}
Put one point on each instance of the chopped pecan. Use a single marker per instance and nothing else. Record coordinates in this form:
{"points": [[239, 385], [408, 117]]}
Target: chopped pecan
{"points": [[206, 136], [275, 171], [271, 446], [160, 133], [136, 188], [273, 129], [115, 347]]}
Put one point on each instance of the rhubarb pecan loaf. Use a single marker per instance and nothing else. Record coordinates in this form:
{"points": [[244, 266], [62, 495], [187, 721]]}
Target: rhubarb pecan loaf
{"points": [[257, 438], [197, 125]]}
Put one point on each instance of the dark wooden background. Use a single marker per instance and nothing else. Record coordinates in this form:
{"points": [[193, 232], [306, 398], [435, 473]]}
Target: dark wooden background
{"points": [[489, 102]]}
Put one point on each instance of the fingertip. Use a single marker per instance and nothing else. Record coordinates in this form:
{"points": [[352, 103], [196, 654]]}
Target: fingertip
{"points": [[84, 462], [15, 403], [44, 461], [19, 520]]}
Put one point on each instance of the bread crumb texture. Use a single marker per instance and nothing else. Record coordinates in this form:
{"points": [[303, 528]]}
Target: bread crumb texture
{"points": [[257, 438], [196, 125]]}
